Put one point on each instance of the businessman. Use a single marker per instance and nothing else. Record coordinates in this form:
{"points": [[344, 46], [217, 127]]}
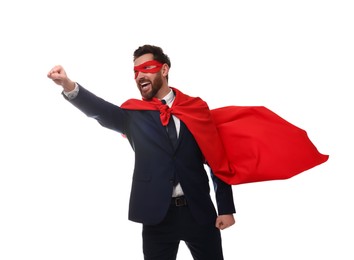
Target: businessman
{"points": [[170, 193]]}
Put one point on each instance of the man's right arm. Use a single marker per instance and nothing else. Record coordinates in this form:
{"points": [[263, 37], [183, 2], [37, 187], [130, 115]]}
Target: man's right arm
{"points": [[106, 113]]}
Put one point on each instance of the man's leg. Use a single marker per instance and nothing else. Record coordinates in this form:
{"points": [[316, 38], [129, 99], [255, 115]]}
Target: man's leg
{"points": [[160, 242]]}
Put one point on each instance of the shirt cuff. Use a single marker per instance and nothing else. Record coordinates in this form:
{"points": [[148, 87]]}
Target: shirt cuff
{"points": [[73, 93]]}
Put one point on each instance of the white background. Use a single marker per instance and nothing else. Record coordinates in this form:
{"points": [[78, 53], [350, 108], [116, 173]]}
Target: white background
{"points": [[65, 181]]}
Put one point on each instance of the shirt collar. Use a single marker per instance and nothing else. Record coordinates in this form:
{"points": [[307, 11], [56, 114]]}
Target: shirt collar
{"points": [[169, 98]]}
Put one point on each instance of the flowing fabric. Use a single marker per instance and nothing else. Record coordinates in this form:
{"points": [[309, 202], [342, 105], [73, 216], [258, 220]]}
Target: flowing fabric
{"points": [[241, 144]]}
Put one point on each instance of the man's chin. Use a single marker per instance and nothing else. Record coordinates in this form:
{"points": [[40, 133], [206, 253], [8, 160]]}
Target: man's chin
{"points": [[146, 96]]}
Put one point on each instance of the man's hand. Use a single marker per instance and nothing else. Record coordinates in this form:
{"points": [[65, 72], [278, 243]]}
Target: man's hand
{"points": [[58, 75], [224, 221]]}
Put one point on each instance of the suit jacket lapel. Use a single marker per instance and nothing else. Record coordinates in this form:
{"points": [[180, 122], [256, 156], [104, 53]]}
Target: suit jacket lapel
{"points": [[165, 140], [167, 143]]}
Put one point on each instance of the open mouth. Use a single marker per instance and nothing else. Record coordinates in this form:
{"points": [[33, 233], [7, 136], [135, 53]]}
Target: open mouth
{"points": [[145, 85]]}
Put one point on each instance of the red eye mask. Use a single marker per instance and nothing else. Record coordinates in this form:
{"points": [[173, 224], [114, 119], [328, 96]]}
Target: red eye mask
{"points": [[151, 66]]}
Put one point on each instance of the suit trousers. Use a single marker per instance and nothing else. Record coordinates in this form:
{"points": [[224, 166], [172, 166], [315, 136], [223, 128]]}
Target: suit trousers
{"points": [[161, 241]]}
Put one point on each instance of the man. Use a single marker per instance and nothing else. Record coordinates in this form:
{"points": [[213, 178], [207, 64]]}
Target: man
{"points": [[170, 192]]}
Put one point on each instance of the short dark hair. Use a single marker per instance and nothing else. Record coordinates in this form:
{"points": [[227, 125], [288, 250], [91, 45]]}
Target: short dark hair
{"points": [[156, 51]]}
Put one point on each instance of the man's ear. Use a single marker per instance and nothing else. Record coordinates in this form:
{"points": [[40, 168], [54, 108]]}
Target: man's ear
{"points": [[165, 69]]}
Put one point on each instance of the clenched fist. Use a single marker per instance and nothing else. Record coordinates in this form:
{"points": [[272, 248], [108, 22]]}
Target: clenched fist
{"points": [[58, 75]]}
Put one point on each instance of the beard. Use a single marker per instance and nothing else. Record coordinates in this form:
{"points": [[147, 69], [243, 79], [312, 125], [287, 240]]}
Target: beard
{"points": [[156, 85]]}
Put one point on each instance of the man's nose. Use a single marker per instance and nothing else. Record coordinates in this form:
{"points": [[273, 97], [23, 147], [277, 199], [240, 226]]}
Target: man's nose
{"points": [[137, 73]]}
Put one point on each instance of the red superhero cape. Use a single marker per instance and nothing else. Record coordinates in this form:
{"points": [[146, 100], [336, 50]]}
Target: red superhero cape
{"points": [[241, 144]]}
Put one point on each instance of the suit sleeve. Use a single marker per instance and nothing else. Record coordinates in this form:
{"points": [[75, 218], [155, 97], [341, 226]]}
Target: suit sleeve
{"points": [[224, 196], [107, 114]]}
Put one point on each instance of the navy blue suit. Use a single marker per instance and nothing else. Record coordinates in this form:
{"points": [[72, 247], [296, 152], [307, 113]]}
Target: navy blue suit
{"points": [[158, 163]]}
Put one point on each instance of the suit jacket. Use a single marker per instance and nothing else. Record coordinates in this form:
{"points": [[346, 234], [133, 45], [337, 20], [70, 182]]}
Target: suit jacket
{"points": [[158, 163]]}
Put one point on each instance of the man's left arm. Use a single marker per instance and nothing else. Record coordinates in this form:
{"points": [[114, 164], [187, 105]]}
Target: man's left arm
{"points": [[225, 203]]}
